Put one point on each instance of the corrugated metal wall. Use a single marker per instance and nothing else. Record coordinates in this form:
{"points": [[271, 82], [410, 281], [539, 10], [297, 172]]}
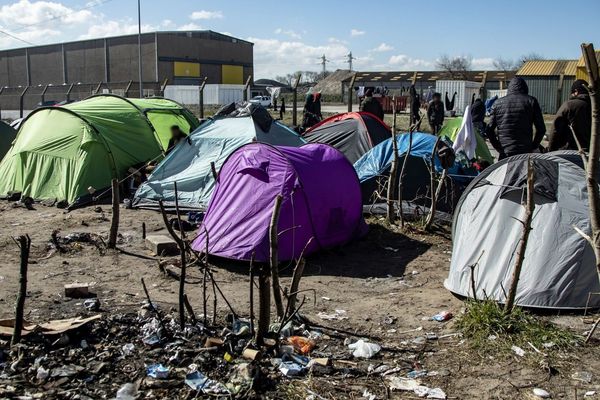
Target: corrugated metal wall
{"points": [[545, 89]]}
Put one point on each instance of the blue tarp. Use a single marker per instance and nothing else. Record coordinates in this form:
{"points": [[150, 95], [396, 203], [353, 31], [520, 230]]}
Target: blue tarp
{"points": [[378, 160]]}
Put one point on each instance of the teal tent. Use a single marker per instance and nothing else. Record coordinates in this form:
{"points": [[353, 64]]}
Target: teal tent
{"points": [[189, 164], [7, 135]]}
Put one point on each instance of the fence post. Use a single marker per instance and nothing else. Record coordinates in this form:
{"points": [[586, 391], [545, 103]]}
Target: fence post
{"points": [[127, 88], [201, 98], [68, 96], [246, 87], [1, 90], [351, 93], [21, 101], [295, 100], [43, 95]]}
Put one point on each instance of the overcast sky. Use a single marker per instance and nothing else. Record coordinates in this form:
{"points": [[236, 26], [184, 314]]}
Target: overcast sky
{"points": [[290, 36]]}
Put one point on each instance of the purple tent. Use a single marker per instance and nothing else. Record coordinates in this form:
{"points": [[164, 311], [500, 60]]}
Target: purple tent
{"points": [[321, 200]]}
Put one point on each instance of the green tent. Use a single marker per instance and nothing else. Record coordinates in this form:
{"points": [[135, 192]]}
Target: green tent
{"points": [[450, 130], [7, 135], [60, 152]]}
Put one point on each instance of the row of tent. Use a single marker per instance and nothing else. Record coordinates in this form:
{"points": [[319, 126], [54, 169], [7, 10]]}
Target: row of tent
{"points": [[62, 152]]}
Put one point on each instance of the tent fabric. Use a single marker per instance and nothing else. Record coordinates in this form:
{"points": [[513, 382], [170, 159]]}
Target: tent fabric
{"points": [[60, 152], [377, 163], [465, 139], [7, 136], [320, 201], [352, 133], [189, 164], [559, 269], [451, 130]]}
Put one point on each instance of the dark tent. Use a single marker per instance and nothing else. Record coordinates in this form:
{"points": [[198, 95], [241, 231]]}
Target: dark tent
{"points": [[377, 162], [7, 135], [352, 133]]}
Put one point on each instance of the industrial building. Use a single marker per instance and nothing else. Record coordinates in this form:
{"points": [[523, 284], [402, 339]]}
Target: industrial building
{"points": [[398, 82], [75, 70]]}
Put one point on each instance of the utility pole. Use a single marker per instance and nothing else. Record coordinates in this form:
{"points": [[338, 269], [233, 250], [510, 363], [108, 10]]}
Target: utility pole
{"points": [[350, 58], [324, 62], [140, 49]]}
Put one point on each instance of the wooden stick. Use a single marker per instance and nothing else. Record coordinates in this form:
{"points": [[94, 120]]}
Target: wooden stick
{"points": [[273, 235], [529, 207], [404, 162], [114, 225], [252, 294], [264, 306], [351, 92], [213, 169], [434, 192], [295, 101], [393, 171], [154, 309], [144, 230], [189, 309], [24, 243], [297, 275]]}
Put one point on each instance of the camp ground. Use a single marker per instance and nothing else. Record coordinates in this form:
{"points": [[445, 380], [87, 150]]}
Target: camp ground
{"points": [[374, 203]]}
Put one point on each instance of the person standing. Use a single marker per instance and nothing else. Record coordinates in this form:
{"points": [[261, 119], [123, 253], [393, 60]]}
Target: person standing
{"points": [[478, 116], [575, 113], [371, 105], [415, 105], [435, 113], [512, 120], [282, 109]]}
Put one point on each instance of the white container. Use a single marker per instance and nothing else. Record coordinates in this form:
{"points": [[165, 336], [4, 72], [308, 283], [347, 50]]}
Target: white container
{"points": [[214, 94], [498, 92], [464, 93]]}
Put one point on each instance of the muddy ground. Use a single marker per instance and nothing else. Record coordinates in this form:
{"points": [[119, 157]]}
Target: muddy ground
{"points": [[389, 283]]}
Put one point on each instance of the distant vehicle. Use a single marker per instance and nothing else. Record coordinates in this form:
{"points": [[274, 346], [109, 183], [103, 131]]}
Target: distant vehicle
{"points": [[47, 103], [264, 101]]}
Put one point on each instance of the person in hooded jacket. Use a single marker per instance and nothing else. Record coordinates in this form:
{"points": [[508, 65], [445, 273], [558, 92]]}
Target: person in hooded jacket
{"points": [[371, 105], [576, 113], [512, 118], [415, 105], [435, 113], [478, 116]]}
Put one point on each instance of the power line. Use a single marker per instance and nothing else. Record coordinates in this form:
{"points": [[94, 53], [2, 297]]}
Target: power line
{"points": [[16, 37]]}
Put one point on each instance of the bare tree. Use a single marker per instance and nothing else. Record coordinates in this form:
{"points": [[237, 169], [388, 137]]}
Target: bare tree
{"points": [[506, 64], [457, 67]]}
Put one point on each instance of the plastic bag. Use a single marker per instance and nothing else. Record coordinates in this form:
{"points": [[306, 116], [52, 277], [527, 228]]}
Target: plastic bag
{"points": [[364, 349]]}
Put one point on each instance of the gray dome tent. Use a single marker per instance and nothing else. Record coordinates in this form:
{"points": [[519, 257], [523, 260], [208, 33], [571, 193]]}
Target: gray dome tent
{"points": [[559, 270]]}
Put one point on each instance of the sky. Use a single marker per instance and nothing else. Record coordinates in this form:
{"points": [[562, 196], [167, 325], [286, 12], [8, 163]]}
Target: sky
{"points": [[290, 36]]}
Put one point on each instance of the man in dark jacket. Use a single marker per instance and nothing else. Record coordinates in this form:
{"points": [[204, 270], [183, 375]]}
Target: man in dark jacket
{"points": [[435, 113], [577, 113], [478, 116], [371, 105], [512, 119], [415, 105]]}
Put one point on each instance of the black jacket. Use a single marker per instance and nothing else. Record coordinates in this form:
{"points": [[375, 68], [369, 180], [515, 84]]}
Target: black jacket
{"points": [[435, 113], [576, 112], [512, 118], [478, 111], [372, 106]]}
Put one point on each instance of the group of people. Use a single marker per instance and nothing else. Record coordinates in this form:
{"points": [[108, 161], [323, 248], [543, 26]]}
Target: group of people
{"points": [[514, 117]]}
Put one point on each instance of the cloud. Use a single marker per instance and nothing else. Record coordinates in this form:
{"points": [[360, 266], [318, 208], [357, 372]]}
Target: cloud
{"points": [[486, 63], [290, 33], [382, 48], [356, 32], [404, 62], [274, 57], [115, 28], [203, 14], [190, 27]]}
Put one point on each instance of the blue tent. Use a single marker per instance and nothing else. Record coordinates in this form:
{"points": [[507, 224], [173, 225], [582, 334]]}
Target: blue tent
{"points": [[376, 163]]}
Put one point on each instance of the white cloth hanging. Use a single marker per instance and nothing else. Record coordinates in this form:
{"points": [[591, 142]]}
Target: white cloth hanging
{"points": [[465, 138]]}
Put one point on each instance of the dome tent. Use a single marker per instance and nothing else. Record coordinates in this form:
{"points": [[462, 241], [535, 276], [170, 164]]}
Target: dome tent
{"points": [[559, 270], [452, 127], [7, 135], [321, 200], [352, 133], [60, 152], [189, 164], [377, 163]]}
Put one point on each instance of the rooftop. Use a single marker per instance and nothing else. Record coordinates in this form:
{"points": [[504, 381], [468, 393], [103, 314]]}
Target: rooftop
{"points": [[398, 76], [548, 68]]}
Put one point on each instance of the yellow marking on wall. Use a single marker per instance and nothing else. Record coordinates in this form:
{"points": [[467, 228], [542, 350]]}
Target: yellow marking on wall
{"points": [[186, 69], [232, 75]]}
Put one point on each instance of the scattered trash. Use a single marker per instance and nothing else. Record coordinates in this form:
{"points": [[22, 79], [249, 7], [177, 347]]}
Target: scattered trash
{"points": [[92, 304], [364, 349], [589, 393], [442, 316], [436, 393], [390, 320], [127, 392], [391, 249], [414, 385], [158, 371], [417, 374], [582, 376], [290, 368], [368, 395], [127, 349], [42, 373], [518, 351], [338, 315], [326, 298], [541, 393], [301, 344]]}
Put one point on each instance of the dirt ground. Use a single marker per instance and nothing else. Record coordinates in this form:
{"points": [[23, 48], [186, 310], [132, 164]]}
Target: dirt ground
{"points": [[389, 283]]}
